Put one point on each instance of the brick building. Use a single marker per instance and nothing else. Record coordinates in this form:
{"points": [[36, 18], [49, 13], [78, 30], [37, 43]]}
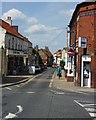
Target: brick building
{"points": [[46, 56], [83, 41]]}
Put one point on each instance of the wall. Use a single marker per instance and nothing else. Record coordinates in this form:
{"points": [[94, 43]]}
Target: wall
{"points": [[83, 23]]}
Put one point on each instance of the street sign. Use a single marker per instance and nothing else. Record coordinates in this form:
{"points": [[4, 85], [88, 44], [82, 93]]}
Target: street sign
{"points": [[82, 42], [70, 52]]}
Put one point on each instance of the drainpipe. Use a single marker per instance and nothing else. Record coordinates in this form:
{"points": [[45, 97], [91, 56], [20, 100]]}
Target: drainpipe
{"points": [[0, 63]]}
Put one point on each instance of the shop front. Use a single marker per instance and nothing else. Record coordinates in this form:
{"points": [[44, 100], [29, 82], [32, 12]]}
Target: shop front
{"points": [[16, 62]]}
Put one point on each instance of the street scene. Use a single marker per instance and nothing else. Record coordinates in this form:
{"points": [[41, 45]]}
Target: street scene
{"points": [[48, 60]]}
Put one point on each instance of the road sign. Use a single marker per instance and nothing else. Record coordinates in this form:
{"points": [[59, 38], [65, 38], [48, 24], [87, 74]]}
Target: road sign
{"points": [[82, 42], [70, 52]]}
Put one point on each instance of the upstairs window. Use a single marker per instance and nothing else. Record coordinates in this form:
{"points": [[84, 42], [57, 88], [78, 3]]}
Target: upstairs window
{"points": [[13, 43]]}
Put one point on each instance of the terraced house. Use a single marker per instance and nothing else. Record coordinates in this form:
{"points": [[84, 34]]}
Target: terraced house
{"points": [[16, 50]]}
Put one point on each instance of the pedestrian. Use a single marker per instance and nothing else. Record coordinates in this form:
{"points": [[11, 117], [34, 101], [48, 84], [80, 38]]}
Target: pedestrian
{"points": [[59, 71]]}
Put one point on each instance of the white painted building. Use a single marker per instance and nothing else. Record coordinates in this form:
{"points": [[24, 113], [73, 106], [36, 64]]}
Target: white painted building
{"points": [[16, 49], [57, 57]]}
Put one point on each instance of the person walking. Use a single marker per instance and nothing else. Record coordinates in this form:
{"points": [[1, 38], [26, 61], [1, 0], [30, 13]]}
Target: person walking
{"points": [[59, 71]]}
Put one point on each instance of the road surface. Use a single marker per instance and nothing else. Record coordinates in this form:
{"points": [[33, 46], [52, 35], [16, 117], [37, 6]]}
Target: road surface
{"points": [[35, 99]]}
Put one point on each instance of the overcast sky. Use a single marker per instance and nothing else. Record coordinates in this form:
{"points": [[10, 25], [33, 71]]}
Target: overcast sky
{"points": [[44, 23]]}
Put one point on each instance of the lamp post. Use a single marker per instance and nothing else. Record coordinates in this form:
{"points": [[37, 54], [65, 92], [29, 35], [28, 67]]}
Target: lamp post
{"points": [[35, 59]]}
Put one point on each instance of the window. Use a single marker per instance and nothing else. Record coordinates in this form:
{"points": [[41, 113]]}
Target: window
{"points": [[9, 42], [13, 43], [16, 44]]}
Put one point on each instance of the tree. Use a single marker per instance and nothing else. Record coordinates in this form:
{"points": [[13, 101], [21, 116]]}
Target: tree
{"points": [[62, 63]]}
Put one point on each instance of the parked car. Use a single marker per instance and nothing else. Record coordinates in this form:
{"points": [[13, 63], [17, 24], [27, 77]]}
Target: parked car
{"points": [[37, 69], [45, 66], [31, 69], [42, 67]]}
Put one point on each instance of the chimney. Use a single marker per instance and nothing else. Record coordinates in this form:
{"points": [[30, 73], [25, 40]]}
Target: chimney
{"points": [[15, 28], [9, 21], [46, 48], [36, 48]]}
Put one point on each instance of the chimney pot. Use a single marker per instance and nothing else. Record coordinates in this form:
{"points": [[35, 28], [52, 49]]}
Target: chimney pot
{"points": [[9, 21], [9, 18]]}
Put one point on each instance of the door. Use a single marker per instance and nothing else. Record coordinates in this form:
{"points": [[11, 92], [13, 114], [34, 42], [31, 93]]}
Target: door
{"points": [[86, 73]]}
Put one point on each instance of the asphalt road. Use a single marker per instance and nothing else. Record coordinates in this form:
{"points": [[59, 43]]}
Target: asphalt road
{"points": [[35, 99]]}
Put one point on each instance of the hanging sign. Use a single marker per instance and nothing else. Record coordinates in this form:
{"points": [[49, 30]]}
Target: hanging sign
{"points": [[82, 42]]}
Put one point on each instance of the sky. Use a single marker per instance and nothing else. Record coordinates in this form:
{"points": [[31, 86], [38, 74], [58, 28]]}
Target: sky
{"points": [[43, 23]]}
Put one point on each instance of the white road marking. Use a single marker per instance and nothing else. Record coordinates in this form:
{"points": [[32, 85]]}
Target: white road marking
{"points": [[30, 92], [30, 79], [17, 85], [78, 103], [11, 115], [80, 92], [91, 109], [8, 88], [57, 93], [89, 105], [92, 114], [20, 109], [50, 85], [53, 91], [60, 93]]}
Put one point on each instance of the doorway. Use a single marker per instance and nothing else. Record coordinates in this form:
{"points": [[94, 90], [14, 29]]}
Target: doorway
{"points": [[86, 74], [86, 71]]}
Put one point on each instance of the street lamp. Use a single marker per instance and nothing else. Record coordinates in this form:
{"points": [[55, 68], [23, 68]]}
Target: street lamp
{"points": [[35, 58]]}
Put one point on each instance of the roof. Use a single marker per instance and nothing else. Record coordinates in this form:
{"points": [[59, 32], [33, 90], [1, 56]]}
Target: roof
{"points": [[12, 31], [24, 38], [9, 29], [48, 53], [83, 4], [58, 53]]}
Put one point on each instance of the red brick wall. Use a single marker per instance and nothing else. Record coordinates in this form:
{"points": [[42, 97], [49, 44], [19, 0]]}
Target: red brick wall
{"points": [[70, 79], [86, 27], [93, 66], [79, 70]]}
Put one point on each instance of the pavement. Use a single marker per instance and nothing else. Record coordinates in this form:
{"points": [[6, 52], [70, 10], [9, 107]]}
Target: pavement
{"points": [[14, 80], [62, 84]]}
